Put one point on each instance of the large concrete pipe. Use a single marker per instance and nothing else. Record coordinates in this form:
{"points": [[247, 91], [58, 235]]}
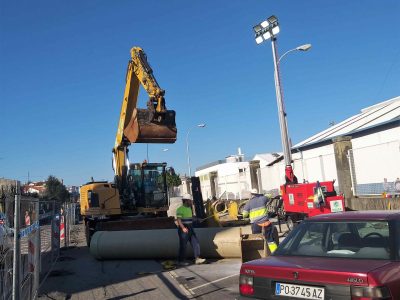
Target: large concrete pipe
{"points": [[218, 242]]}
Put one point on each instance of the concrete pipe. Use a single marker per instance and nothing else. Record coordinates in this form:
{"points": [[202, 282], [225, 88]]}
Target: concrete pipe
{"points": [[218, 242], [219, 206], [241, 207]]}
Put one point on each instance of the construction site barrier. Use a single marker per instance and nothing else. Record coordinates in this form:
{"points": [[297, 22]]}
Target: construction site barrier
{"points": [[28, 253], [62, 228]]}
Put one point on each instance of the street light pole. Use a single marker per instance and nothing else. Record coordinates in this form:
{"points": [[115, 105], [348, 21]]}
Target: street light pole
{"points": [[279, 98], [281, 109], [202, 125], [268, 29]]}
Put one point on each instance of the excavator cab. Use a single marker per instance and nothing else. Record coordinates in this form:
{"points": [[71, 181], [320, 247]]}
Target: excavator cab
{"points": [[149, 185]]}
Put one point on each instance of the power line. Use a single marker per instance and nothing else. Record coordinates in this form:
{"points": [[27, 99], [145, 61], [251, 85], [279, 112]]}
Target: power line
{"points": [[387, 73]]}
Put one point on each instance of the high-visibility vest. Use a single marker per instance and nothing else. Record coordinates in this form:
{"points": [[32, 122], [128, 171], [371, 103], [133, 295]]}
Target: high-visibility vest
{"points": [[185, 214], [272, 246], [256, 209]]}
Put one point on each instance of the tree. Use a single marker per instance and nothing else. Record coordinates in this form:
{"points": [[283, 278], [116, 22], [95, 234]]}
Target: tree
{"points": [[173, 179], [55, 189]]}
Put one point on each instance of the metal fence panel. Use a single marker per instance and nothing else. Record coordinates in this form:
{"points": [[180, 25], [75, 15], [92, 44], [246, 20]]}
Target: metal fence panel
{"points": [[29, 246], [30, 241], [7, 253], [49, 235]]}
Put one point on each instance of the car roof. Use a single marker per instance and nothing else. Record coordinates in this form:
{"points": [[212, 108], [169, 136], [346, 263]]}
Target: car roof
{"points": [[359, 215]]}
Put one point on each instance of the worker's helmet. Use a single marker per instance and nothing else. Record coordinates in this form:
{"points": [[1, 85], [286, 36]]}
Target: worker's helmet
{"points": [[254, 191], [187, 197]]}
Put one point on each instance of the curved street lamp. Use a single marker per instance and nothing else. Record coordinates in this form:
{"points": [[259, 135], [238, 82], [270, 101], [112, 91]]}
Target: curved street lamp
{"points": [[304, 47], [201, 125]]}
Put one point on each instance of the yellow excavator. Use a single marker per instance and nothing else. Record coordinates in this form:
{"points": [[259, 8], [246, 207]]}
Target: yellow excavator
{"points": [[138, 197]]}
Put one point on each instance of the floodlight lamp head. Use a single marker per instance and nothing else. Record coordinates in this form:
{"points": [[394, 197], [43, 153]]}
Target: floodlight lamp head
{"points": [[264, 24], [273, 20], [257, 28], [266, 29], [266, 35], [259, 39], [275, 30]]}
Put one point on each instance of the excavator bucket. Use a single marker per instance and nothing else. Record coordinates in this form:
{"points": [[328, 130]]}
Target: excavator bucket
{"points": [[146, 126]]}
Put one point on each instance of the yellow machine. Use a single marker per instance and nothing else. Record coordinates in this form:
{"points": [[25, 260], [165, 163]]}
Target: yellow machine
{"points": [[139, 190]]}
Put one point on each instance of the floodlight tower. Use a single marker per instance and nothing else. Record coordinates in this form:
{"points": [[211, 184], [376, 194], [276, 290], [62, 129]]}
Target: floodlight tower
{"points": [[268, 29]]}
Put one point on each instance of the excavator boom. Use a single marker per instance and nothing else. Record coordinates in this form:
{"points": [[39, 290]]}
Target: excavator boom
{"points": [[155, 124]]}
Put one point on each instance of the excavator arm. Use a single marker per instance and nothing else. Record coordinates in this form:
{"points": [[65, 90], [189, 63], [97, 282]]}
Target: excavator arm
{"points": [[155, 124]]}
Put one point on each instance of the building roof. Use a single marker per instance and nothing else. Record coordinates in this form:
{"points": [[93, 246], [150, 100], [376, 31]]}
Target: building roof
{"points": [[370, 117], [373, 116], [266, 158], [35, 187]]}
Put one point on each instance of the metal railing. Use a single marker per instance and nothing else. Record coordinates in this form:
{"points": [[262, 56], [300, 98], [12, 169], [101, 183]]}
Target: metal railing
{"points": [[31, 237]]}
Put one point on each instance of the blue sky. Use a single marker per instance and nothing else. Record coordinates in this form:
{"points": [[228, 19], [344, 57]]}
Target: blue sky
{"points": [[63, 64]]}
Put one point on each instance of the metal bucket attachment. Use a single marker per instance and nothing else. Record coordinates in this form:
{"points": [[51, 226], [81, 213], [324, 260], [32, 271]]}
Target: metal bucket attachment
{"points": [[147, 126]]}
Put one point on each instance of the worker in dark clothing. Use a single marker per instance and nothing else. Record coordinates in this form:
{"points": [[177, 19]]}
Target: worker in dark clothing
{"points": [[256, 210]]}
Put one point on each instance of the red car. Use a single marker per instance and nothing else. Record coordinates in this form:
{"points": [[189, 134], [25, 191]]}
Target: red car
{"points": [[349, 255]]}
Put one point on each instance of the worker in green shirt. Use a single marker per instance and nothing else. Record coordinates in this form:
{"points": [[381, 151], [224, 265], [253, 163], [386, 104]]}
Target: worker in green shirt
{"points": [[184, 220]]}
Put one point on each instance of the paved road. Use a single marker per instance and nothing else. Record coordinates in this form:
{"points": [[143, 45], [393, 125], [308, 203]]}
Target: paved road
{"points": [[77, 275]]}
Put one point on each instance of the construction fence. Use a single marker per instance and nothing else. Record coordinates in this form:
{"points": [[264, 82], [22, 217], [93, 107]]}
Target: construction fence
{"points": [[32, 231]]}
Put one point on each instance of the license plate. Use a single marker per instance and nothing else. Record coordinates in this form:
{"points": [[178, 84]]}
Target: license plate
{"points": [[299, 291]]}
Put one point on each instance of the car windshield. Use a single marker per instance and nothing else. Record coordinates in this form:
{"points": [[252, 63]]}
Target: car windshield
{"points": [[359, 240]]}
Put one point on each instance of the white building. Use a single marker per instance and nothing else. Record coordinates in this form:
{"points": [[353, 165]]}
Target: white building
{"points": [[374, 158], [232, 178], [266, 158], [226, 179]]}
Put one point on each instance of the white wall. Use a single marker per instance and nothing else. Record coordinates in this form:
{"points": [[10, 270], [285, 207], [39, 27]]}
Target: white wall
{"points": [[310, 165], [388, 135], [230, 183], [377, 156]]}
